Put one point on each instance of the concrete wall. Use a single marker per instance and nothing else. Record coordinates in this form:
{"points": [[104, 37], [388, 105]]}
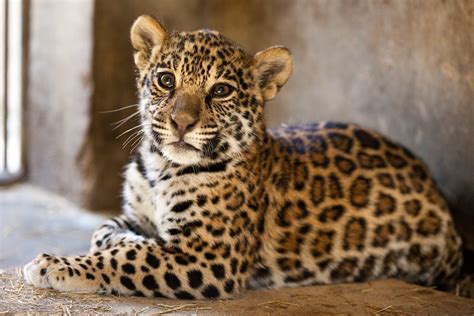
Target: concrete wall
{"points": [[403, 67], [59, 93]]}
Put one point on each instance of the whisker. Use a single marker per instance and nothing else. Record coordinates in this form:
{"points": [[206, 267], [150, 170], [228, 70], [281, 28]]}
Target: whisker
{"points": [[124, 120], [119, 109], [134, 133], [131, 138], [129, 130], [134, 145]]}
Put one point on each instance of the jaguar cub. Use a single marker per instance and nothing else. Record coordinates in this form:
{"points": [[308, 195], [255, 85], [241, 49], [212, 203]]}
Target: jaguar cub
{"points": [[214, 203]]}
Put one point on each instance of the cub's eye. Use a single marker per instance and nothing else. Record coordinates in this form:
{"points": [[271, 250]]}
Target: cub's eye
{"points": [[221, 90], [166, 80]]}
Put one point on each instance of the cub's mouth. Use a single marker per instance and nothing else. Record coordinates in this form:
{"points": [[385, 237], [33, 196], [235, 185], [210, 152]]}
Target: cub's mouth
{"points": [[182, 145]]}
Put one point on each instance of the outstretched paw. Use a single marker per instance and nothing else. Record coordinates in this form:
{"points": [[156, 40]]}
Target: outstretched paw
{"points": [[35, 272], [58, 273]]}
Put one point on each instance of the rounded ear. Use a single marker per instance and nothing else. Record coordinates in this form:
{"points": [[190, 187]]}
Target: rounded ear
{"points": [[146, 34], [273, 66]]}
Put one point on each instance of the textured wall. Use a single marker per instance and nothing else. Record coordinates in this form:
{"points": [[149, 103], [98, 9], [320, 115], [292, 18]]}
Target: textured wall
{"points": [[59, 93], [405, 68]]}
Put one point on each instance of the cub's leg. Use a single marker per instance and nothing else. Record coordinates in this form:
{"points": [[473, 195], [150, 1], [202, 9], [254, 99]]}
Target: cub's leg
{"points": [[140, 268], [122, 228], [133, 225]]}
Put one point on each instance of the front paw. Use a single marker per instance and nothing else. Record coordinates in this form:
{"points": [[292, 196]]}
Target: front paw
{"points": [[35, 272], [60, 274]]}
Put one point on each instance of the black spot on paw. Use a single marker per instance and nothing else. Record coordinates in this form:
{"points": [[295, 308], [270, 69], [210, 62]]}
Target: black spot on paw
{"points": [[218, 270], [128, 283], [172, 280], [201, 200], [181, 260], [209, 256], [210, 291], [194, 278], [152, 261], [90, 276], [84, 266], [149, 282], [181, 207], [128, 268], [229, 286], [105, 278], [131, 254], [113, 263]]}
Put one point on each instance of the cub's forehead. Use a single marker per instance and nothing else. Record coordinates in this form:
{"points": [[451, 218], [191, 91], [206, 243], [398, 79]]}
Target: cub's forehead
{"points": [[203, 45]]}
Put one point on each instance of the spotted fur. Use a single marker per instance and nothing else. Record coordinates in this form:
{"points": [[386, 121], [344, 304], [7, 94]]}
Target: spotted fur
{"points": [[214, 203]]}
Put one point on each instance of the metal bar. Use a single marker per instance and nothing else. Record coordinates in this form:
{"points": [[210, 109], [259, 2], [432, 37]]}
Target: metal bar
{"points": [[14, 86], [3, 85], [11, 89]]}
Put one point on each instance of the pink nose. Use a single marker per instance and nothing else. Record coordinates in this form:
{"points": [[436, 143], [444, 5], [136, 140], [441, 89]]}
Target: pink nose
{"points": [[183, 122], [185, 113]]}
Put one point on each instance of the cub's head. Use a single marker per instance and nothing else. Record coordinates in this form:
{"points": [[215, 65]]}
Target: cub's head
{"points": [[202, 96]]}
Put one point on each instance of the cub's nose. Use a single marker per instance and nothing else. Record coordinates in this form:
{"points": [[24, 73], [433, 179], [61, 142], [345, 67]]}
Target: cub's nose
{"points": [[183, 122], [185, 113]]}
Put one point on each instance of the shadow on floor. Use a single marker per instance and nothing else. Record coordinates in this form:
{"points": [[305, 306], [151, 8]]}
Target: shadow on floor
{"points": [[34, 221]]}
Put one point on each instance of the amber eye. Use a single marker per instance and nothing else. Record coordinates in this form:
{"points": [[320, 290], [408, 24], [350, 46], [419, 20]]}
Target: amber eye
{"points": [[222, 90], [166, 80]]}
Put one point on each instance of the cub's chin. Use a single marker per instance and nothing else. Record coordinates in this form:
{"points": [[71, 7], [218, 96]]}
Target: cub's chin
{"points": [[182, 153]]}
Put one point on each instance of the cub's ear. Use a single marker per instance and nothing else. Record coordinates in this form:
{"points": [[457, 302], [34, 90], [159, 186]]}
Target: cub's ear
{"points": [[146, 34], [273, 66]]}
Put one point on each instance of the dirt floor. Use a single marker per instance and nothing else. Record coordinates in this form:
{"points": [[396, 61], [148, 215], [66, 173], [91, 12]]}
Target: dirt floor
{"points": [[34, 221], [375, 298]]}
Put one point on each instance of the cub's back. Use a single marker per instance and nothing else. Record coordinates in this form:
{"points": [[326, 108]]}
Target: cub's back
{"points": [[350, 205]]}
